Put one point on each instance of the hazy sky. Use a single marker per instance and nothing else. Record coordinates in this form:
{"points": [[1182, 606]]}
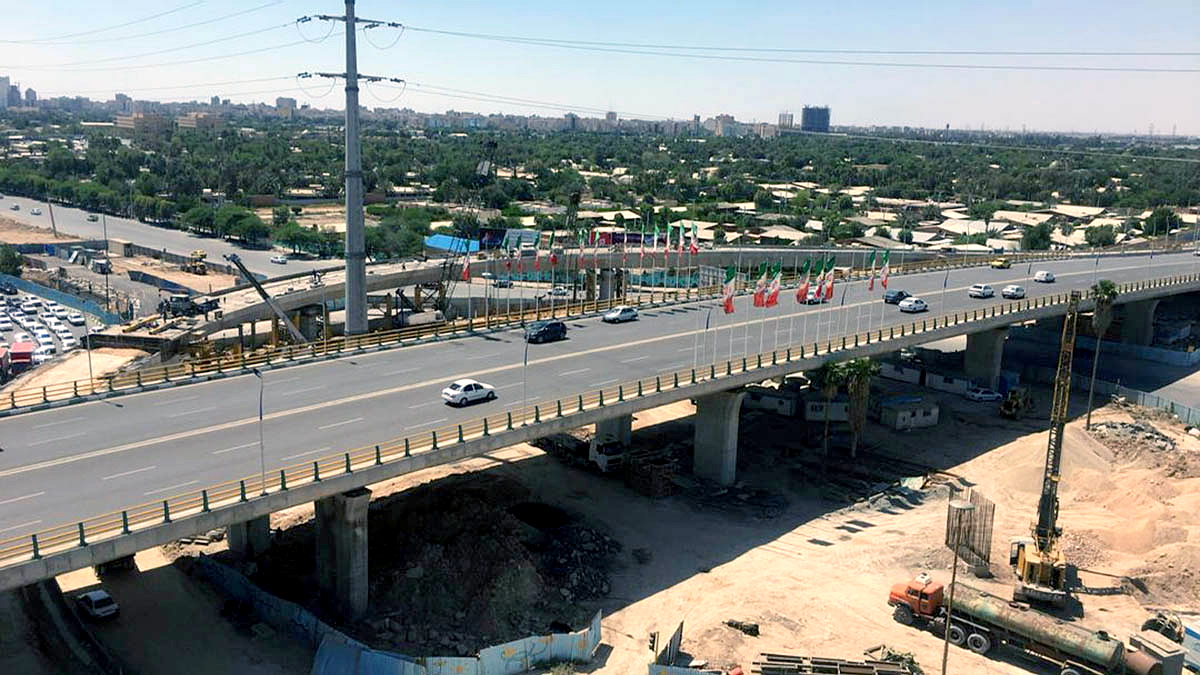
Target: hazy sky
{"points": [[639, 84]]}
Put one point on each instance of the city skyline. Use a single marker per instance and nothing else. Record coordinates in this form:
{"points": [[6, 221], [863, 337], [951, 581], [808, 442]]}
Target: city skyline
{"points": [[490, 76]]}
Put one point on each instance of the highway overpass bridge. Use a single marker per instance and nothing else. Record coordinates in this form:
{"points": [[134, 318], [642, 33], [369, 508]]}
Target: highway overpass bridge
{"points": [[91, 482]]}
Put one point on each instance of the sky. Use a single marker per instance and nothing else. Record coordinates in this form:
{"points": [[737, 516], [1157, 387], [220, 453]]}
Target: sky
{"points": [[61, 47]]}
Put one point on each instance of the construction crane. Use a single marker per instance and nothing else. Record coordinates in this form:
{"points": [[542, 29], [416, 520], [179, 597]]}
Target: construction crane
{"points": [[1039, 562], [262, 292]]}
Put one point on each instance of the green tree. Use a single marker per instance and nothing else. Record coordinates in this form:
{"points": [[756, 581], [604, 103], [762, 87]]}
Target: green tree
{"points": [[1100, 236], [10, 261], [1161, 221], [883, 231], [906, 236], [763, 200], [829, 377], [1036, 238], [1104, 292], [857, 374], [280, 215]]}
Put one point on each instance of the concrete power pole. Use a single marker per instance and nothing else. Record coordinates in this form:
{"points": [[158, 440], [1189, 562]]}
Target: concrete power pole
{"points": [[356, 254]]}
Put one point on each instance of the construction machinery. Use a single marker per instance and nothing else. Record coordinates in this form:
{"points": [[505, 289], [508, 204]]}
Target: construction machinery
{"points": [[262, 292], [1017, 403], [195, 263], [1039, 562]]}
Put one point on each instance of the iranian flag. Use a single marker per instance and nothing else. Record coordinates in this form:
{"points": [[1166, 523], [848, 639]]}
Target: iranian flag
{"points": [[871, 282], [728, 288], [776, 282], [819, 270], [760, 286], [595, 248], [680, 243], [553, 256], [582, 260], [466, 267], [693, 249], [537, 252], [802, 292], [654, 245], [885, 269], [829, 273]]}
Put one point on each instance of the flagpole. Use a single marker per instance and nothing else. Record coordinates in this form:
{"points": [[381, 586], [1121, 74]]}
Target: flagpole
{"points": [[737, 270]]}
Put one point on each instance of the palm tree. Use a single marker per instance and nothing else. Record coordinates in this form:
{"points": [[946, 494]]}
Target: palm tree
{"points": [[829, 377], [1104, 292], [857, 374]]}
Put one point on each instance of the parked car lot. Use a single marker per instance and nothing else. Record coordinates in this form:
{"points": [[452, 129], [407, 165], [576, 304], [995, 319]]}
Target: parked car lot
{"points": [[53, 328]]}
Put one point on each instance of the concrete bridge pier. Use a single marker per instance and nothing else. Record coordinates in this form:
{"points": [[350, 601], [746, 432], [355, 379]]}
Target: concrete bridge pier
{"points": [[619, 429], [589, 284], [984, 352], [309, 325], [1137, 327], [606, 284], [341, 525], [716, 436], [251, 538]]}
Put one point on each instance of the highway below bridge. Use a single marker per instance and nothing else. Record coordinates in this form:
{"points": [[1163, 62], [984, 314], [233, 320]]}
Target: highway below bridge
{"points": [[75, 462]]}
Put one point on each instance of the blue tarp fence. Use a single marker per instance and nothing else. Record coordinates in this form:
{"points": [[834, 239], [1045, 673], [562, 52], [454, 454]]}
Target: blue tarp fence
{"points": [[65, 299]]}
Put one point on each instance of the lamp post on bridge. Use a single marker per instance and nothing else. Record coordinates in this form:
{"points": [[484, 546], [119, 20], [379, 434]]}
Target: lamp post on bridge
{"points": [[262, 456]]}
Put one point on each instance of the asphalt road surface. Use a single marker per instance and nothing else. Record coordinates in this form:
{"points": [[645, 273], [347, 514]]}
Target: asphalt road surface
{"points": [[61, 465], [74, 221]]}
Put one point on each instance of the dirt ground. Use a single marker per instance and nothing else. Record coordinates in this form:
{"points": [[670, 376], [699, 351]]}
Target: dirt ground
{"points": [[207, 283], [325, 217], [74, 366], [813, 570], [172, 623], [13, 232]]}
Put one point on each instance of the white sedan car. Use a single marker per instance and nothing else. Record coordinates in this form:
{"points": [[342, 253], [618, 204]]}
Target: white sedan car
{"points": [[75, 319], [467, 391], [279, 259], [620, 314], [981, 394], [1012, 292], [1044, 277], [913, 305], [6, 323], [980, 291], [97, 604]]}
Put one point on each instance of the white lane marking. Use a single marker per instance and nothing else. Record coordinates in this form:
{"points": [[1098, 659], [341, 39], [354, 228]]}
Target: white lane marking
{"points": [[57, 438], [175, 400], [236, 447], [283, 380], [425, 424], [310, 452], [129, 473], [301, 391], [17, 527], [172, 487], [604, 382], [573, 372], [17, 499], [194, 411], [401, 372], [338, 424], [52, 424], [508, 386], [638, 358], [685, 349], [421, 405]]}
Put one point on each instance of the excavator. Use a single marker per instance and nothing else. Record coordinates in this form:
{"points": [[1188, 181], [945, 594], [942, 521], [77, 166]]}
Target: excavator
{"points": [[1039, 561], [195, 263]]}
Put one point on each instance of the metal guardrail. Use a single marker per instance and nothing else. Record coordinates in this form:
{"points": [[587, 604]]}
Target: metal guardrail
{"points": [[81, 533], [194, 369]]}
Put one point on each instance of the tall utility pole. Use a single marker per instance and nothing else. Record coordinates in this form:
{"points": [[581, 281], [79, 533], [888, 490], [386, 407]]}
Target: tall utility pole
{"points": [[356, 254]]}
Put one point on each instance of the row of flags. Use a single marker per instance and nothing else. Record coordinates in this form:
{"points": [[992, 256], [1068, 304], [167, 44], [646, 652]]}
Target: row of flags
{"points": [[820, 271]]}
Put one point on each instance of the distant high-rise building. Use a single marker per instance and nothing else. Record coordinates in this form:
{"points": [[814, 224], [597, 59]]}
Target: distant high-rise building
{"points": [[124, 103], [14, 96], [214, 101], [610, 117], [3, 90], [30, 97], [785, 120], [695, 124], [814, 118], [572, 121]]}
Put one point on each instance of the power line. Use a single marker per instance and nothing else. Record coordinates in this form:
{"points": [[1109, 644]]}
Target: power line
{"points": [[167, 88], [820, 62], [170, 30], [108, 28], [792, 50]]}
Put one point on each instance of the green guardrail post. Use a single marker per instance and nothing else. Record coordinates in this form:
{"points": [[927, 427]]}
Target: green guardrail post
{"points": [[728, 367], [675, 378], [125, 522], [316, 471], [166, 511], [139, 377], [407, 453], [434, 434], [581, 403], [843, 342], [712, 371], [639, 389], [75, 388], [856, 339], [204, 501], [557, 408], [37, 554], [348, 469], [82, 538], [658, 383], [621, 388], [537, 414], [601, 399], [485, 427], [242, 490], [693, 376], [743, 364], [282, 480], [378, 456], [510, 426], [460, 434]]}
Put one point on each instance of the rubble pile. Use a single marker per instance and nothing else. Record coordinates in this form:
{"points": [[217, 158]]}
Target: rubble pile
{"points": [[1131, 437]]}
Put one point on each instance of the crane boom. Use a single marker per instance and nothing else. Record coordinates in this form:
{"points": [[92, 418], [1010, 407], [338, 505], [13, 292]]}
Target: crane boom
{"points": [[283, 317], [1047, 531]]}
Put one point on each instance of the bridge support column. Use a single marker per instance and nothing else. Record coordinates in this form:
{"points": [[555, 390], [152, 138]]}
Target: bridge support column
{"points": [[590, 284], [619, 429], [716, 436], [251, 538], [606, 284], [308, 322], [1137, 327], [341, 522], [984, 351]]}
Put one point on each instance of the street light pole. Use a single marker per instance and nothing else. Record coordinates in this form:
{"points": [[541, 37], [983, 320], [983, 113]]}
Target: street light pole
{"points": [[107, 263], [262, 456]]}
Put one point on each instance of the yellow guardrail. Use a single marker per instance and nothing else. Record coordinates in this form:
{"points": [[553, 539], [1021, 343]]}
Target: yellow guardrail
{"points": [[241, 362], [26, 547]]}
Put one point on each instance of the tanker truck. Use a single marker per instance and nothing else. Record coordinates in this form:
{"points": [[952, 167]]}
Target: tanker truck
{"points": [[982, 621]]}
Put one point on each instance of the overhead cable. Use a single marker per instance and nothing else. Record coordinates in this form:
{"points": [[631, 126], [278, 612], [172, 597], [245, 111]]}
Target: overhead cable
{"points": [[107, 28], [155, 33]]}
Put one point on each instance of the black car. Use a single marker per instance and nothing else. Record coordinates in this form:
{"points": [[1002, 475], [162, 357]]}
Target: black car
{"points": [[502, 283], [546, 331], [894, 296], [8, 289]]}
